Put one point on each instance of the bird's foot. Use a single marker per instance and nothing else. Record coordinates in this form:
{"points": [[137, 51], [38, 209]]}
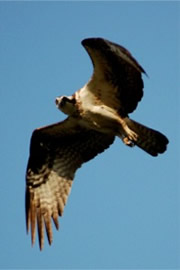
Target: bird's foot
{"points": [[131, 138], [128, 142]]}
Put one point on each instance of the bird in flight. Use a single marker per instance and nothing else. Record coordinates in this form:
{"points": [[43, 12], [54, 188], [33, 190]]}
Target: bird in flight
{"points": [[97, 113]]}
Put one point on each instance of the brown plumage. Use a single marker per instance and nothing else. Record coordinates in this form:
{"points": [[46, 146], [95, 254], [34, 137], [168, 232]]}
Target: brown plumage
{"points": [[97, 113], [56, 152], [150, 140]]}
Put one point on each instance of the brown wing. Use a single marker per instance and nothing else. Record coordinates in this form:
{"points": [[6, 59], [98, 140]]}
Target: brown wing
{"points": [[116, 80], [56, 152]]}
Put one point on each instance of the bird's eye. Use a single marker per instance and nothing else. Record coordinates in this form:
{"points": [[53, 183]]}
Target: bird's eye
{"points": [[63, 101]]}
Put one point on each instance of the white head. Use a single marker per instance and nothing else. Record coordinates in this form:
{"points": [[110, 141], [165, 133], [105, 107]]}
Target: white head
{"points": [[66, 104]]}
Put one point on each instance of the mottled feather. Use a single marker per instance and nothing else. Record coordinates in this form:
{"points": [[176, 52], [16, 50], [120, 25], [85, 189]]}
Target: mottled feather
{"points": [[116, 74], [56, 152], [97, 113]]}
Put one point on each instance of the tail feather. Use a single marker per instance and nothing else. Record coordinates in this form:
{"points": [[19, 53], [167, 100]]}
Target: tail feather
{"points": [[150, 140]]}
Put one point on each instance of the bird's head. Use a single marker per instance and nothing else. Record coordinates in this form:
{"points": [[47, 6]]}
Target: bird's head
{"points": [[66, 104]]}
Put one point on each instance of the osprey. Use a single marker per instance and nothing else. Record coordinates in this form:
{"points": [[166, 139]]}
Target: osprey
{"points": [[97, 113]]}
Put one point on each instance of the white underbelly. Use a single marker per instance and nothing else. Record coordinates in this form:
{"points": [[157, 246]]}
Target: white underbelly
{"points": [[96, 115], [101, 118]]}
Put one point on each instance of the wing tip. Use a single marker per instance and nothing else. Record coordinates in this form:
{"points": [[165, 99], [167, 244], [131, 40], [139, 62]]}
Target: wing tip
{"points": [[35, 217], [91, 42]]}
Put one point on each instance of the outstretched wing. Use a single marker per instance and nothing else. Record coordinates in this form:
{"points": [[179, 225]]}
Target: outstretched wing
{"points": [[116, 80], [56, 152]]}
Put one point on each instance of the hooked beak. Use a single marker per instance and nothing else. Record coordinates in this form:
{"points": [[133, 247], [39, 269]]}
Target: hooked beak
{"points": [[57, 101]]}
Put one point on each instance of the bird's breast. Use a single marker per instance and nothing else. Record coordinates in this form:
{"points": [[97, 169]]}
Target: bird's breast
{"points": [[94, 114]]}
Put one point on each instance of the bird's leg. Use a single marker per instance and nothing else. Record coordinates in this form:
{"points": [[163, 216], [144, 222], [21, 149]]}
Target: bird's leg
{"points": [[129, 137]]}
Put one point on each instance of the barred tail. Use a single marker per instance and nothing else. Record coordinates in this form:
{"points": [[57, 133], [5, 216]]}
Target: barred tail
{"points": [[151, 141]]}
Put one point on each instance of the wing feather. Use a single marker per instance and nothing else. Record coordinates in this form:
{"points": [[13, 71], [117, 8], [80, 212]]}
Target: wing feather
{"points": [[56, 152], [40, 224], [116, 80]]}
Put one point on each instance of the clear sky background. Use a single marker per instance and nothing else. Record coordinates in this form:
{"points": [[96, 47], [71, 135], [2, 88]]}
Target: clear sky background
{"points": [[123, 211]]}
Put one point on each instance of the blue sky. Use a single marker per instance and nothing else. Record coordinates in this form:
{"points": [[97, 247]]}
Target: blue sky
{"points": [[123, 211]]}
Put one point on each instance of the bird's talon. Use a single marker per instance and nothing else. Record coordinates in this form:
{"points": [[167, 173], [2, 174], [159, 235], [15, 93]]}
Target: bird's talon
{"points": [[128, 142]]}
